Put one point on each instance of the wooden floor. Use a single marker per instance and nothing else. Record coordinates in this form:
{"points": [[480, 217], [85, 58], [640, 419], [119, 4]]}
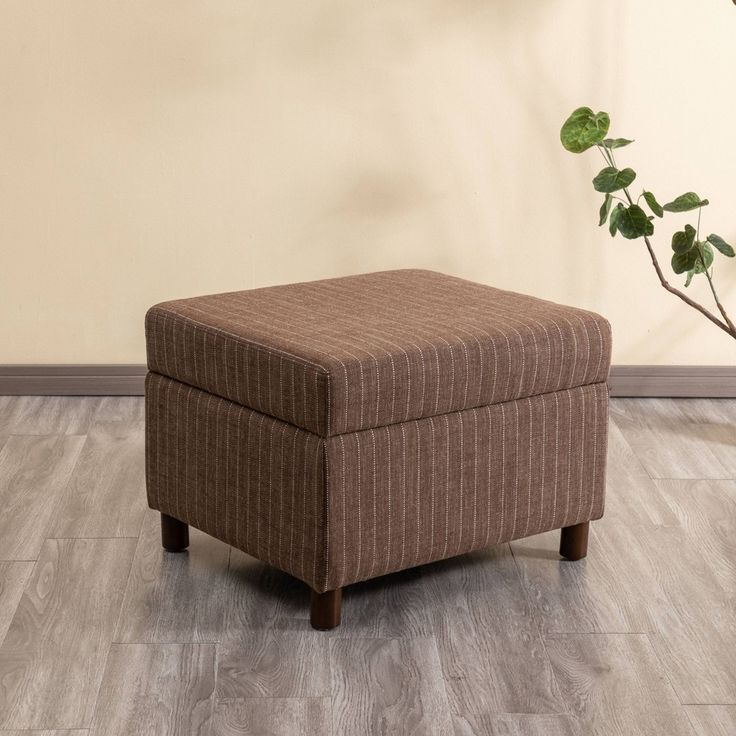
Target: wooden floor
{"points": [[102, 633]]}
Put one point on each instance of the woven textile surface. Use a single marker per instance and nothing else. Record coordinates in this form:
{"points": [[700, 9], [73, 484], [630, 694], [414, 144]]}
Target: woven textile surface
{"points": [[336, 510], [361, 352]]}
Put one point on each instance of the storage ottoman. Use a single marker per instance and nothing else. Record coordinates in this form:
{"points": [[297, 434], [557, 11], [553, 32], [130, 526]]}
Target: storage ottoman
{"points": [[344, 429]]}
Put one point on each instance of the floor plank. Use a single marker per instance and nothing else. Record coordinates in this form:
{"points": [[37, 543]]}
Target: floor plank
{"points": [[388, 686], [666, 443], [713, 720], [174, 597], [106, 495], [387, 607], [52, 414], [493, 657], [261, 598], [273, 717], [274, 664], [53, 655], [34, 471], [515, 725], [13, 578], [7, 411], [695, 634], [156, 689], [615, 685]]}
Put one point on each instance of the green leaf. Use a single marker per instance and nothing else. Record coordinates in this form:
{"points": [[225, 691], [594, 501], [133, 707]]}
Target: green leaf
{"points": [[611, 180], [682, 241], [633, 223], [682, 262], [689, 278], [721, 245], [615, 217], [584, 129], [704, 253], [616, 142], [605, 209], [685, 203], [654, 206]]}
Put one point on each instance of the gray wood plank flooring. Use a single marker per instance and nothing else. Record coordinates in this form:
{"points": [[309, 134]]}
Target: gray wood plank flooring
{"points": [[54, 651], [156, 688], [101, 632]]}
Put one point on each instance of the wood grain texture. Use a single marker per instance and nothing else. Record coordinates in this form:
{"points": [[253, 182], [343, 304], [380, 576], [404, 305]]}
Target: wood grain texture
{"points": [[695, 634], [261, 598], [274, 664], [34, 471], [392, 606], [51, 414], [7, 410], [74, 732], [615, 685], [174, 597], [712, 720], [53, 655], [13, 578], [388, 686], [106, 494], [156, 689], [493, 657], [664, 440], [515, 725], [273, 717]]}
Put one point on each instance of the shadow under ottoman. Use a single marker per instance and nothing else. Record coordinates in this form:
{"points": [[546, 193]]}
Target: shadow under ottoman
{"points": [[344, 429]]}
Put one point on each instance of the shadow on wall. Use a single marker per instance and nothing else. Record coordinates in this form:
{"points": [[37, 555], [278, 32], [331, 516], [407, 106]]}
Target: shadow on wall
{"points": [[457, 107], [380, 135]]}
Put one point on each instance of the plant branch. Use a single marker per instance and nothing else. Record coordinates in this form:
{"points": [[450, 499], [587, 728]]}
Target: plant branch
{"points": [[727, 326], [720, 306]]}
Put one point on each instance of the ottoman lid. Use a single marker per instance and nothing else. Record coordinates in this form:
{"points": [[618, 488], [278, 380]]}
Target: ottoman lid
{"points": [[347, 354]]}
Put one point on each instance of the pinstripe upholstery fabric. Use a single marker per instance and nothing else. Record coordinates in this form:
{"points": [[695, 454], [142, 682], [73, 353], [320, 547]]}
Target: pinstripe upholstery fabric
{"points": [[361, 352], [344, 508]]}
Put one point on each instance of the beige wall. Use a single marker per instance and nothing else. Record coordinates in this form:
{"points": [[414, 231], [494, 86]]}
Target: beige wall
{"points": [[152, 149]]}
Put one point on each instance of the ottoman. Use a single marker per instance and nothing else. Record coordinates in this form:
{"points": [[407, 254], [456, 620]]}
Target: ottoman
{"points": [[348, 428]]}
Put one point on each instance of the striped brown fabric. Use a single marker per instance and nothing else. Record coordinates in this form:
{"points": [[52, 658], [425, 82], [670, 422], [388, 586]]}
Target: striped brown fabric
{"points": [[332, 511], [361, 352]]}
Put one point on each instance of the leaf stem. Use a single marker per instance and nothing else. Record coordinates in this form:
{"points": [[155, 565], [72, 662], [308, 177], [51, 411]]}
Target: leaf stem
{"points": [[726, 326]]}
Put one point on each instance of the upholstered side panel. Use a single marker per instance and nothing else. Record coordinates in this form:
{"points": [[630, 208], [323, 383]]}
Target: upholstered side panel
{"points": [[252, 481], [359, 505], [424, 490]]}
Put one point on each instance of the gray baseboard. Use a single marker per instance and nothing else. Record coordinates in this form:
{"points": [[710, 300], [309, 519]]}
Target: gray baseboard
{"points": [[72, 380], [701, 381]]}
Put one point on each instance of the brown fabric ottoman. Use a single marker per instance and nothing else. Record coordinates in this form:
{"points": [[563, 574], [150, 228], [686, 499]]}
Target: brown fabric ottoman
{"points": [[348, 428]]}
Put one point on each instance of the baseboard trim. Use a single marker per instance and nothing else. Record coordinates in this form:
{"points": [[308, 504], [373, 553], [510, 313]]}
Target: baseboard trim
{"points": [[72, 380], [681, 381], [676, 381]]}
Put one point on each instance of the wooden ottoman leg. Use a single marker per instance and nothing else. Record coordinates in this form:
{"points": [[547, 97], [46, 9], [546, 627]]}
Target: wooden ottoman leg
{"points": [[174, 534], [325, 610], [574, 541]]}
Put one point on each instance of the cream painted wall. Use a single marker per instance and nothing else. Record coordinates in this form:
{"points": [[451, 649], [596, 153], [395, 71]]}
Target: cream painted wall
{"points": [[152, 149]]}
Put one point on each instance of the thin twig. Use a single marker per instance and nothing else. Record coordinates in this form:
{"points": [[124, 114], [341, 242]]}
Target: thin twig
{"points": [[728, 328]]}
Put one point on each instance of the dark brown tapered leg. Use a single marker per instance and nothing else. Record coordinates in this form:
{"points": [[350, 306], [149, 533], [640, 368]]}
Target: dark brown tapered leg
{"points": [[574, 541], [174, 534], [325, 611]]}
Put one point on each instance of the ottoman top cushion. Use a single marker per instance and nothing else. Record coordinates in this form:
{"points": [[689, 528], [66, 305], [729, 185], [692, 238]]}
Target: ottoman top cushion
{"points": [[353, 353]]}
